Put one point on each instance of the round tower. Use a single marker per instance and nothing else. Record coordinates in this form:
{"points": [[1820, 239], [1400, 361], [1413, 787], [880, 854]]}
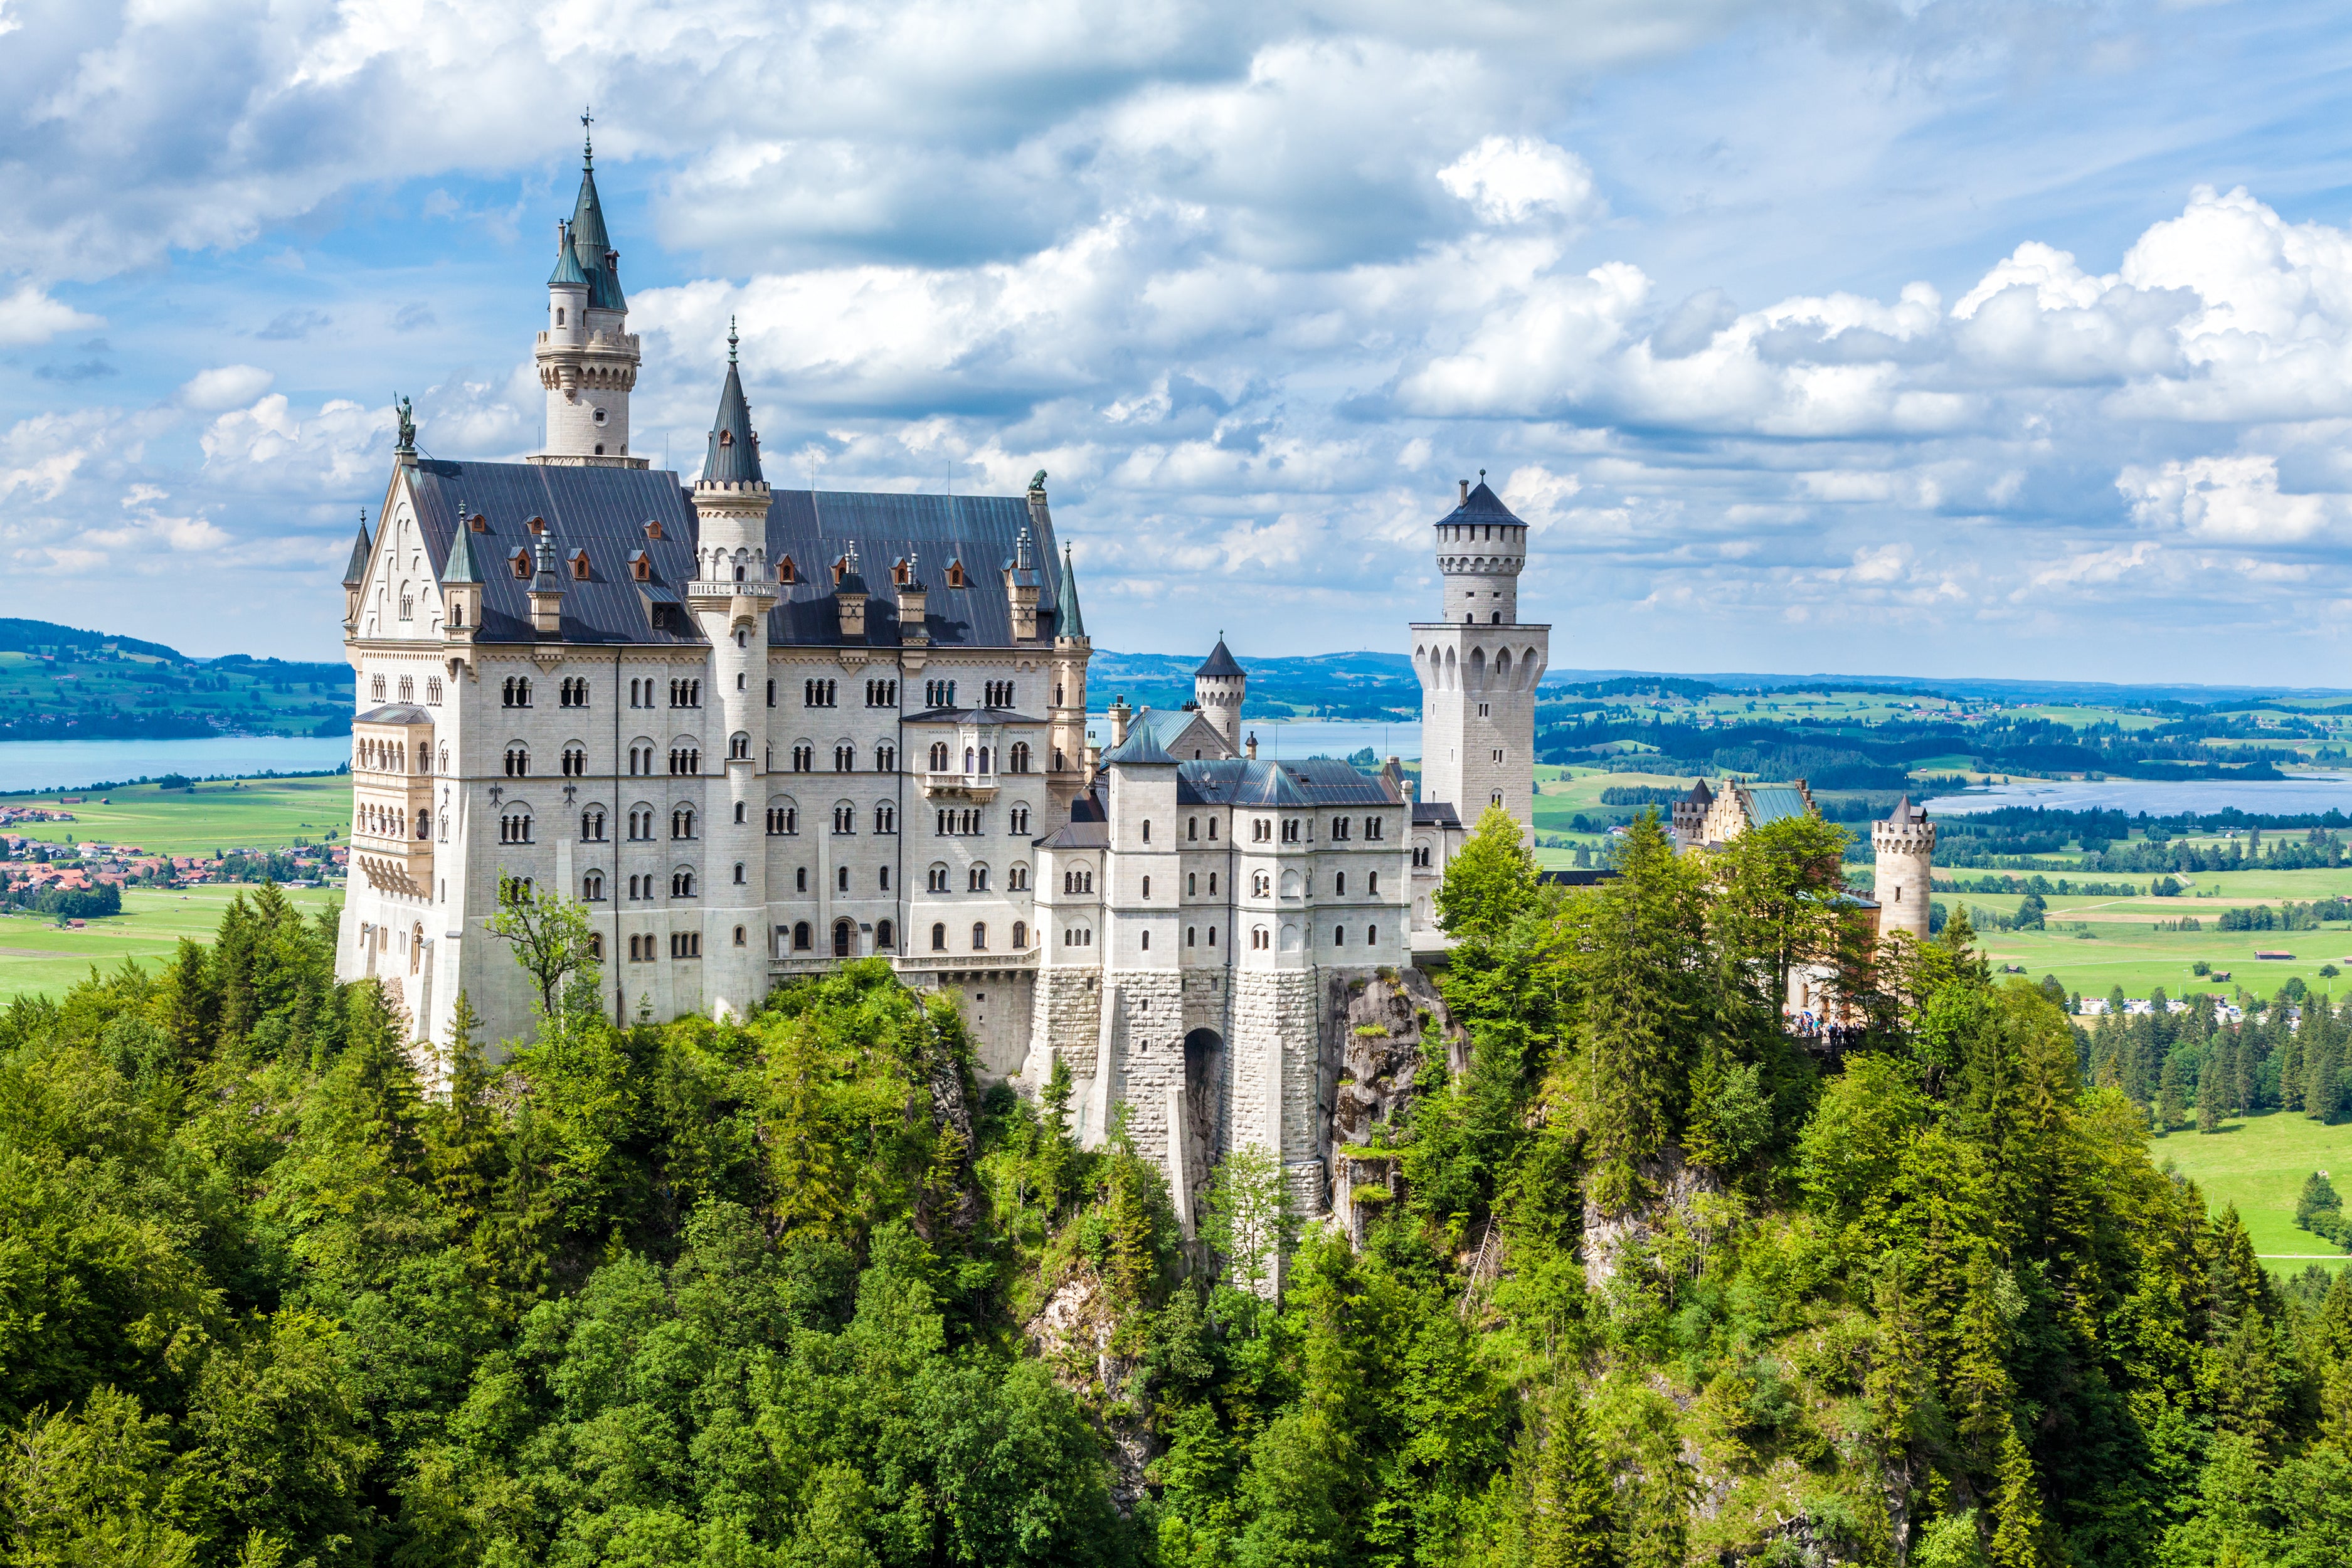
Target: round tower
{"points": [[1479, 665], [730, 594], [1482, 549], [1905, 844], [1218, 687], [587, 357]]}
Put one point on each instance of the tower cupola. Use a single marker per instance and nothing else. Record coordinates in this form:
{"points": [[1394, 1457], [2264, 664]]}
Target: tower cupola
{"points": [[1481, 549]]}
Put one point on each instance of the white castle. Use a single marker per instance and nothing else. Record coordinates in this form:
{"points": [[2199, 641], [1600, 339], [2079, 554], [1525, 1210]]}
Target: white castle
{"points": [[757, 732]]}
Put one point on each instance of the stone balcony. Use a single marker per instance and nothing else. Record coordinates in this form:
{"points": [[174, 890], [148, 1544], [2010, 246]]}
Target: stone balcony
{"points": [[961, 786], [709, 593]]}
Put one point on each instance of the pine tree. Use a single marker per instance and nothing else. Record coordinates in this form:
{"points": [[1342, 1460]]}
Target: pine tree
{"points": [[1570, 1525], [2168, 1096], [2209, 1101], [2290, 1049], [2324, 1064]]}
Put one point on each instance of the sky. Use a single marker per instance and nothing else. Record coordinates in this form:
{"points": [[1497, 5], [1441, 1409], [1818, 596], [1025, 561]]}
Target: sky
{"points": [[1992, 338]]}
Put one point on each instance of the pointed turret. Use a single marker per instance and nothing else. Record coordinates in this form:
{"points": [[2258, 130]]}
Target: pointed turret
{"points": [[355, 576], [1067, 620], [734, 456], [1218, 688], [461, 583], [356, 573], [587, 359]]}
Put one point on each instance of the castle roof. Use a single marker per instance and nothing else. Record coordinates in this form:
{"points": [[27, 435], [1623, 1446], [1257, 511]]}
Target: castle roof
{"points": [[1481, 505], [592, 247], [1140, 749], [605, 511], [567, 265], [734, 455], [394, 713], [1168, 726], [356, 573], [459, 567], [1220, 665], [1072, 623], [1260, 781], [1434, 813], [1772, 802], [1700, 793], [1905, 812]]}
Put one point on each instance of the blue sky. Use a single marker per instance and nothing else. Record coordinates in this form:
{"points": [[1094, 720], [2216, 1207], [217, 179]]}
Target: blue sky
{"points": [[1936, 339]]}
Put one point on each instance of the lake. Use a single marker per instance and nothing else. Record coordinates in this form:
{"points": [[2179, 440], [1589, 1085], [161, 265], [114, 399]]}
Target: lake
{"points": [[1297, 738], [48, 765], [2282, 798]]}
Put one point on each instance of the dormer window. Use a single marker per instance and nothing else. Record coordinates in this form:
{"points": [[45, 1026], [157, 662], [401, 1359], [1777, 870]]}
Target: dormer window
{"points": [[726, 437], [537, 525], [956, 578], [652, 528], [580, 565], [521, 561], [786, 572], [900, 574], [478, 523], [839, 566], [641, 566]]}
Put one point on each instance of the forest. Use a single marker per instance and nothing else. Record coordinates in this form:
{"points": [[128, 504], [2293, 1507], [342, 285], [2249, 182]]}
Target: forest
{"points": [[1657, 1282]]}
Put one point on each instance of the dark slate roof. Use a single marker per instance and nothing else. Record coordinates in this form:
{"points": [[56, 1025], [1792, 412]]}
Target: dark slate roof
{"points": [[1906, 812], [1220, 665], [605, 510], [1434, 813], [1700, 793], [815, 529], [1072, 623], [734, 455], [356, 573], [1577, 879], [1482, 505], [1167, 723], [394, 713], [1075, 835], [1142, 748], [1254, 780]]}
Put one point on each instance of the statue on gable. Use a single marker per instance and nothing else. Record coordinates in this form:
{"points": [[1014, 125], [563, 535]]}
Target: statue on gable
{"points": [[399, 407]]}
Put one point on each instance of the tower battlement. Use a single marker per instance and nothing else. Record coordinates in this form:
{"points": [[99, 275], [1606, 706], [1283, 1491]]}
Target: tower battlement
{"points": [[1904, 843]]}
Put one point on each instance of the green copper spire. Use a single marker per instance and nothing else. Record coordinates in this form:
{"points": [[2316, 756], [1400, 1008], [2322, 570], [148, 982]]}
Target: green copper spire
{"points": [[1068, 622]]}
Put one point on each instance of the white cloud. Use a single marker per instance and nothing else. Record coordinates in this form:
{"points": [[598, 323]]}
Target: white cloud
{"points": [[342, 447], [1508, 179], [2230, 500], [29, 317], [224, 386]]}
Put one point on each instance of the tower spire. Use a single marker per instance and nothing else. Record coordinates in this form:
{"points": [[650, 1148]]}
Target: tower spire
{"points": [[587, 139], [1067, 621]]}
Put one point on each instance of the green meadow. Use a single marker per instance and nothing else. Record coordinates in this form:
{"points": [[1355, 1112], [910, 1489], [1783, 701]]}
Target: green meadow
{"points": [[248, 813], [2258, 1166], [38, 956]]}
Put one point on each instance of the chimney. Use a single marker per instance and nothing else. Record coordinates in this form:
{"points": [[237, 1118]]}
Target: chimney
{"points": [[546, 588], [1252, 748], [1118, 717], [1021, 591], [912, 605], [1465, 491], [849, 597]]}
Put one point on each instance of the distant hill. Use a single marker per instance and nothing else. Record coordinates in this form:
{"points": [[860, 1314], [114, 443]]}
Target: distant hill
{"points": [[62, 683]]}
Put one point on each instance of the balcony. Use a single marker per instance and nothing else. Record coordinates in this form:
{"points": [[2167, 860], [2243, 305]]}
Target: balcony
{"points": [[979, 787], [705, 593], [401, 865]]}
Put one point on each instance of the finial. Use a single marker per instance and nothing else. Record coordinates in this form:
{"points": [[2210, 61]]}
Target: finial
{"points": [[1482, 475], [587, 138], [731, 339]]}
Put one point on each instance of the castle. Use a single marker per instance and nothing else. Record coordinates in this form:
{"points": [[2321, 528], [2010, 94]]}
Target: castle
{"points": [[755, 732]]}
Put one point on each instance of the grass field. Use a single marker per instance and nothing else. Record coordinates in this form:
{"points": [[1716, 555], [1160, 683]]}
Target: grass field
{"points": [[37, 956], [254, 814], [2258, 1165]]}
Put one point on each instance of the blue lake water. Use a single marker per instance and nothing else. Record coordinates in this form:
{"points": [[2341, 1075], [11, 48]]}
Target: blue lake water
{"points": [[73, 764], [1297, 738], [2312, 793]]}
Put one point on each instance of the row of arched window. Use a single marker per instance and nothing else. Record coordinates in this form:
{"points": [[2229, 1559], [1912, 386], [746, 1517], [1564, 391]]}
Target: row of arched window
{"points": [[408, 689]]}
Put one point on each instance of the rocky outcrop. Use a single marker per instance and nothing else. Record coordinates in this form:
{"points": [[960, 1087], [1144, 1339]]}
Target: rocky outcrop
{"points": [[1674, 1183], [1376, 1025], [1072, 1332]]}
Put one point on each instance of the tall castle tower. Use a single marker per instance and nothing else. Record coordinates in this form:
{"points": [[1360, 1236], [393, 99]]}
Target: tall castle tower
{"points": [[1218, 685], [1905, 844], [1479, 665], [731, 593], [587, 357]]}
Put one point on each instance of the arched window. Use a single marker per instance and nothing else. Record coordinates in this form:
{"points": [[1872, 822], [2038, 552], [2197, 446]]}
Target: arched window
{"points": [[1146, 942], [1020, 756], [885, 936], [936, 881], [841, 879], [739, 876], [681, 883], [939, 756], [517, 762], [885, 818], [1017, 880], [845, 939], [592, 887], [1020, 936], [844, 819], [424, 825], [739, 747], [801, 939], [938, 936], [681, 822], [980, 936], [592, 823], [976, 880]]}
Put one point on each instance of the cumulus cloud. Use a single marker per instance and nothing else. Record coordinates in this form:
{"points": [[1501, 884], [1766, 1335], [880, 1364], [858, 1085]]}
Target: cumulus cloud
{"points": [[224, 386], [1508, 179], [29, 316]]}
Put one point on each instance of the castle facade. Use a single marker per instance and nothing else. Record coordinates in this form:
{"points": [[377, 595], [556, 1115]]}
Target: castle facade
{"points": [[756, 733]]}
